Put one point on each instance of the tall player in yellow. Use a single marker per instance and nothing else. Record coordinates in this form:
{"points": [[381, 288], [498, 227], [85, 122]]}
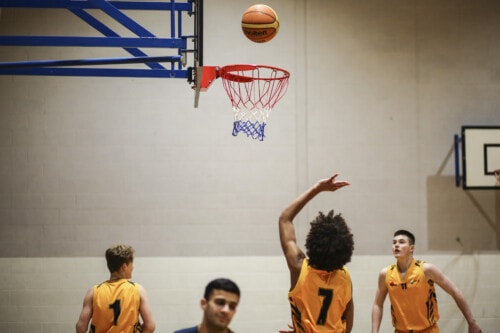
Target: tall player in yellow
{"points": [[410, 285], [114, 306], [320, 292]]}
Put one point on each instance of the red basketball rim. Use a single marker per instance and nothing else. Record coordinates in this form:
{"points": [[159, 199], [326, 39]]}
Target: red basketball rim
{"points": [[227, 73]]}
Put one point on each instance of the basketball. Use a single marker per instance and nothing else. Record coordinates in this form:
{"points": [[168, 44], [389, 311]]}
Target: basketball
{"points": [[260, 23]]}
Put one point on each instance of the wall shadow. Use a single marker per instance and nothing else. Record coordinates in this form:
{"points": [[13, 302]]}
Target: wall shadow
{"points": [[463, 220]]}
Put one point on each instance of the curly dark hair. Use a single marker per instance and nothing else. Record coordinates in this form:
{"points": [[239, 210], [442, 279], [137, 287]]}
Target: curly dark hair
{"points": [[329, 243]]}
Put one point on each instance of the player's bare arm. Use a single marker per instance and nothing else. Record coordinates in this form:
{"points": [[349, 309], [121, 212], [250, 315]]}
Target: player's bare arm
{"points": [[84, 319], [378, 304], [349, 316], [433, 273], [149, 324], [293, 254]]}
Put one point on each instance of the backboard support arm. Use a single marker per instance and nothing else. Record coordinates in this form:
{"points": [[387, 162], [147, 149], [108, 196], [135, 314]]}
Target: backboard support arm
{"points": [[176, 43]]}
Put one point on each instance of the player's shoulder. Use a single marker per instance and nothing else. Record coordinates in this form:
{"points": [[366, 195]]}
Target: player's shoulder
{"points": [[432, 272], [420, 263], [345, 272], [430, 268], [426, 265], [388, 268]]}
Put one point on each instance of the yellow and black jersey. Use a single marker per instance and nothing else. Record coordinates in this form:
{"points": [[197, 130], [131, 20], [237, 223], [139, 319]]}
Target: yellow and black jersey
{"points": [[115, 307], [413, 299], [319, 299]]}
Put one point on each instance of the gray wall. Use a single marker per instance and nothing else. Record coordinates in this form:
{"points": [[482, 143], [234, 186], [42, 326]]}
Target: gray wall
{"points": [[378, 89]]}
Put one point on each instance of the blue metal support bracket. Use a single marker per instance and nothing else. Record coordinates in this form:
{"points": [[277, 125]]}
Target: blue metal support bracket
{"points": [[456, 145], [167, 66]]}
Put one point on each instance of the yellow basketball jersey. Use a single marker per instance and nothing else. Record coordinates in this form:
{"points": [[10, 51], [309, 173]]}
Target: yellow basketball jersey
{"points": [[413, 299], [115, 307], [319, 300]]}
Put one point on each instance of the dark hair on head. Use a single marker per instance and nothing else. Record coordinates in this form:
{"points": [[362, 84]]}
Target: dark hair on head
{"points": [[407, 234], [118, 255], [221, 284], [329, 243]]}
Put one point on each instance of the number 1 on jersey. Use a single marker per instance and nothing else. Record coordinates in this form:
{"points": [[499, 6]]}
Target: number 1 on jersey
{"points": [[116, 311]]}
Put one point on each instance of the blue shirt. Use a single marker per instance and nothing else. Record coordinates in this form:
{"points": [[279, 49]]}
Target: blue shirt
{"points": [[193, 329]]}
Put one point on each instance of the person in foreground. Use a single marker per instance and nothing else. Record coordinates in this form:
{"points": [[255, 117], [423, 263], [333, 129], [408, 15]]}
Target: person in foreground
{"points": [[320, 292], [410, 285], [115, 304], [219, 304]]}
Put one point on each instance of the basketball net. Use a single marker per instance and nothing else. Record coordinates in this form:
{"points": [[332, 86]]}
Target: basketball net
{"points": [[253, 90]]}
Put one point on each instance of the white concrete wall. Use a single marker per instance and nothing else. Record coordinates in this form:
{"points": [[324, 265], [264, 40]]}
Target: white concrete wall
{"points": [[44, 295], [378, 89]]}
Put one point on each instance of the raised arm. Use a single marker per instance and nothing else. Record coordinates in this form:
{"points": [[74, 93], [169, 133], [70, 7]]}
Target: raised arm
{"points": [[86, 314], [293, 254], [435, 274], [378, 304], [149, 324]]}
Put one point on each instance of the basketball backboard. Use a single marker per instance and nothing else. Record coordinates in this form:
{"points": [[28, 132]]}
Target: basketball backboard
{"points": [[480, 156]]}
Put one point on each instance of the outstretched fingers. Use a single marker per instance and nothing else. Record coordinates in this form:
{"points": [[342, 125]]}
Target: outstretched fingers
{"points": [[338, 183], [332, 184]]}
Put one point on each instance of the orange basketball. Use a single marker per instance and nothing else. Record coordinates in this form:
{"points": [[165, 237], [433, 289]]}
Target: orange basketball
{"points": [[260, 23]]}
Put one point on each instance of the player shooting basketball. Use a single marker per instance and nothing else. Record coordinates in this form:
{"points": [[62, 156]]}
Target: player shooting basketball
{"points": [[320, 285]]}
